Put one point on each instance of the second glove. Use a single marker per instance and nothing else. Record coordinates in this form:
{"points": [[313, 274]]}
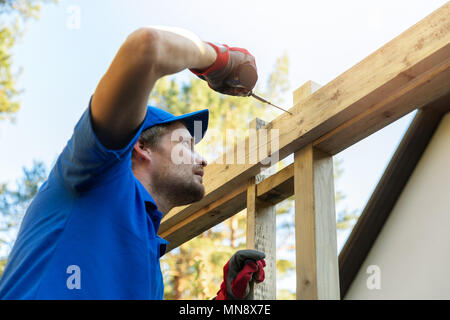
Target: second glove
{"points": [[244, 267]]}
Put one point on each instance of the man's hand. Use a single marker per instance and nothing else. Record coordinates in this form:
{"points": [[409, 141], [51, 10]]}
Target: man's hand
{"points": [[244, 267], [234, 71]]}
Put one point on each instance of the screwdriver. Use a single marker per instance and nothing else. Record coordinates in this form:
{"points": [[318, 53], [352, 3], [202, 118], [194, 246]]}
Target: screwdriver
{"points": [[246, 77], [265, 101]]}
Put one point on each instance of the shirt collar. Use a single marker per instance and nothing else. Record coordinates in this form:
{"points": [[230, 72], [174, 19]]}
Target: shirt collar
{"points": [[150, 204], [154, 213]]}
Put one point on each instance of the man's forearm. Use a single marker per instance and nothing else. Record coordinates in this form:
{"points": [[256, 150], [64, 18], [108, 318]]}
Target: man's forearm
{"points": [[120, 100], [176, 49]]}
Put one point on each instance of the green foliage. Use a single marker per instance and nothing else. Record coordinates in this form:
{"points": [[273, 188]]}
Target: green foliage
{"points": [[194, 271], [24, 8], [278, 84], [13, 14], [285, 294], [345, 219], [2, 266], [15, 201], [8, 92], [284, 266]]}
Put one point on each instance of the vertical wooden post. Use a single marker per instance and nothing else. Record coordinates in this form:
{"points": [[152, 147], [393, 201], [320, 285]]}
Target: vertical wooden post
{"points": [[304, 91], [261, 233], [315, 220]]}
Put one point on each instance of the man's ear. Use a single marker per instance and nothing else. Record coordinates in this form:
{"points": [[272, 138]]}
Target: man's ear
{"points": [[142, 152]]}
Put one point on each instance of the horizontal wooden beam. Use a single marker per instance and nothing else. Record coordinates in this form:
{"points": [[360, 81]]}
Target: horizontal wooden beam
{"points": [[206, 218], [407, 73], [272, 190], [278, 186], [431, 85]]}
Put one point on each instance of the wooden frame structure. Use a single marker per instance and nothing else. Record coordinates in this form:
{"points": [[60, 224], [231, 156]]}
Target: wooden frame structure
{"points": [[410, 72]]}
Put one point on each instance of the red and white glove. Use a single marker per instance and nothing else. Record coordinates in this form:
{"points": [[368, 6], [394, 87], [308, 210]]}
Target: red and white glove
{"points": [[244, 267], [234, 71]]}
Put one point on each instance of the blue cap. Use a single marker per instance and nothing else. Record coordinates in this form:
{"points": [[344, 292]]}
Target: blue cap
{"points": [[191, 120]]}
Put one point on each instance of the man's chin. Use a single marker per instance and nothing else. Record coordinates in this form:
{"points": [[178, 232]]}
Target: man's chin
{"points": [[193, 194], [200, 194]]}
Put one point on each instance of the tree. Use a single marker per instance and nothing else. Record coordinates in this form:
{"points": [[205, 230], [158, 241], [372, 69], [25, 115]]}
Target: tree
{"points": [[13, 15], [345, 219], [13, 204]]}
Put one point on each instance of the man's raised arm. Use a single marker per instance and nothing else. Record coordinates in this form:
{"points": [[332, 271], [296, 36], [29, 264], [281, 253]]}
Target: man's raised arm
{"points": [[120, 100]]}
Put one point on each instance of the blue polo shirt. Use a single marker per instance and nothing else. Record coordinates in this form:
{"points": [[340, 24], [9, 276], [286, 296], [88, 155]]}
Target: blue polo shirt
{"points": [[91, 230]]}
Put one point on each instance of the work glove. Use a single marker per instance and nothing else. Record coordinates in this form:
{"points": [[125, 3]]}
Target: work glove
{"points": [[244, 268], [234, 71]]}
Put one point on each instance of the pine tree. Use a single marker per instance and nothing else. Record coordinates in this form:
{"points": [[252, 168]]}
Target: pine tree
{"points": [[13, 203]]}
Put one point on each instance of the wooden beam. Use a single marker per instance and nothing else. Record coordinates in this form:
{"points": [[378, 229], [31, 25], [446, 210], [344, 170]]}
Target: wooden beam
{"points": [[206, 218], [272, 190], [261, 233], [315, 226], [277, 187], [417, 93], [407, 73], [388, 190]]}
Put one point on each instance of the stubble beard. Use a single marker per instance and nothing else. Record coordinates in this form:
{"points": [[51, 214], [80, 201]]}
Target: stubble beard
{"points": [[180, 187]]}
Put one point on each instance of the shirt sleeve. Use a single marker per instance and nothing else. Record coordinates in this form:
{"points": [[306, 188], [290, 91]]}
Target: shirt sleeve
{"points": [[86, 163]]}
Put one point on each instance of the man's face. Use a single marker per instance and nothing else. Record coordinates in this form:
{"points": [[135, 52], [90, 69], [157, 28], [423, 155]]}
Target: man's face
{"points": [[177, 169]]}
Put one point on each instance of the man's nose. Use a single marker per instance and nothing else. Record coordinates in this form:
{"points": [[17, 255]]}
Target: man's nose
{"points": [[200, 160], [204, 162]]}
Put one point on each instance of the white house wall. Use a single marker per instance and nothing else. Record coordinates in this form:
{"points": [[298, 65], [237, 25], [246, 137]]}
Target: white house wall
{"points": [[411, 257]]}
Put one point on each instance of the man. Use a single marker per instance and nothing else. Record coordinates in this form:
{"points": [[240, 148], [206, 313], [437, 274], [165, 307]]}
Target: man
{"points": [[91, 231]]}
